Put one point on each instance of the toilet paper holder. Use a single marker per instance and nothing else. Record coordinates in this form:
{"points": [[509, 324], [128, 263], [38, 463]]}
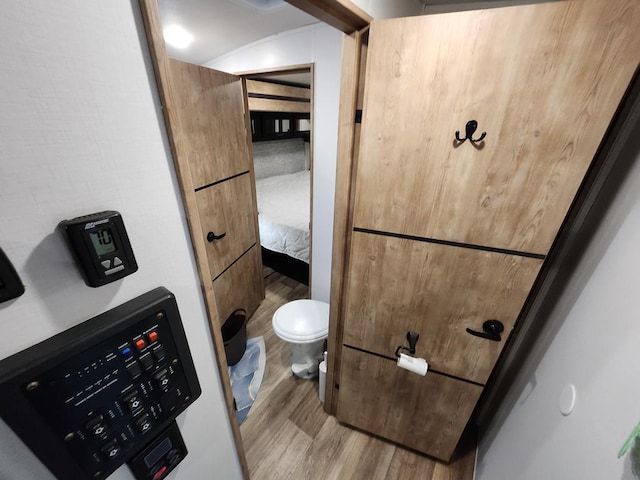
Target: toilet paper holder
{"points": [[412, 338]]}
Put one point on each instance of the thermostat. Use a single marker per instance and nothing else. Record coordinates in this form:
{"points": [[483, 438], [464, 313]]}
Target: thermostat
{"points": [[101, 247]]}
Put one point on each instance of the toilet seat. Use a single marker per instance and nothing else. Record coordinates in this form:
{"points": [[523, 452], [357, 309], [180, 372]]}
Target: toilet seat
{"points": [[302, 321]]}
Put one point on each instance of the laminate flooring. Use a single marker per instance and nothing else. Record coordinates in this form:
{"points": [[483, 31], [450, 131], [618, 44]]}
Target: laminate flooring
{"points": [[287, 434]]}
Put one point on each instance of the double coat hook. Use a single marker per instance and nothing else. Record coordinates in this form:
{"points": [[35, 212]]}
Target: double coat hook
{"points": [[470, 129]]}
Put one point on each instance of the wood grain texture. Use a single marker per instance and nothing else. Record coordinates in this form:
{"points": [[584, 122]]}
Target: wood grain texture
{"points": [[240, 286], [273, 105], [428, 414], [168, 95], [227, 208], [344, 15], [277, 90], [542, 80], [397, 285], [210, 119], [348, 131], [256, 280], [287, 434]]}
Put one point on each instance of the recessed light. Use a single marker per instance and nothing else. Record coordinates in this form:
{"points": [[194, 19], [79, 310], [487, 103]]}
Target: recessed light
{"points": [[177, 36]]}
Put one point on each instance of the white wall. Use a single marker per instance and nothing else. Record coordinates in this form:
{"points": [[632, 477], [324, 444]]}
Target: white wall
{"points": [[592, 340], [81, 131], [321, 45]]}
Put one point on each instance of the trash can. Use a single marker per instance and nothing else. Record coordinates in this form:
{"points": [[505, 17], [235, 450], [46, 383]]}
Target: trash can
{"points": [[234, 335]]}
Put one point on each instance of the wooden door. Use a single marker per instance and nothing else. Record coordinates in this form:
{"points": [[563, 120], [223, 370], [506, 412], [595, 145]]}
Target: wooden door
{"points": [[542, 81], [210, 130], [450, 233]]}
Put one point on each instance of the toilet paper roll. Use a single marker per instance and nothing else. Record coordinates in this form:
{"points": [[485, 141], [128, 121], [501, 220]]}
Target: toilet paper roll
{"points": [[413, 364]]}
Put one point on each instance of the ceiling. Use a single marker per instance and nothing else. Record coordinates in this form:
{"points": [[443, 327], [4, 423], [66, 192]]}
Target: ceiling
{"points": [[220, 26]]}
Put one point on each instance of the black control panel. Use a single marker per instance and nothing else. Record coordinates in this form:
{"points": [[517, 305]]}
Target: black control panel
{"points": [[10, 284], [163, 455], [92, 397]]}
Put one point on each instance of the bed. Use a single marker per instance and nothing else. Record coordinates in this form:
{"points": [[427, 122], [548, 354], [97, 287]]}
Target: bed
{"points": [[284, 216]]}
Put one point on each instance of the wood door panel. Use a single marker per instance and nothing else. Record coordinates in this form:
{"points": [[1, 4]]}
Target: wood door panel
{"points": [[226, 208], [426, 413], [240, 286], [212, 133], [542, 80], [397, 285]]}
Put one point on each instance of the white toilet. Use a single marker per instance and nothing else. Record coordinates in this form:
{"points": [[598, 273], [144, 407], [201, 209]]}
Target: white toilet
{"points": [[304, 324]]}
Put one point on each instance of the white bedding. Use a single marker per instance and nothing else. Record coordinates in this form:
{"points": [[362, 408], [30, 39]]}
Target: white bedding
{"points": [[283, 214]]}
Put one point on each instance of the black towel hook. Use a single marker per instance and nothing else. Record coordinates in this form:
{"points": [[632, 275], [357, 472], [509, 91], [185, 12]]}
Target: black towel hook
{"points": [[470, 129]]}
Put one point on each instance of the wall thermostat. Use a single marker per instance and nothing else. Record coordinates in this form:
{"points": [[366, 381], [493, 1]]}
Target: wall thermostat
{"points": [[101, 247]]}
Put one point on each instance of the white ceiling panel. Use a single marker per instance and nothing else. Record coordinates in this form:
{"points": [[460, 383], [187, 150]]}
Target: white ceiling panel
{"points": [[220, 26]]}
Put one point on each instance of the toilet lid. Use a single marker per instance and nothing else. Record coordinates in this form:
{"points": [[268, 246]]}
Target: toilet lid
{"points": [[302, 321]]}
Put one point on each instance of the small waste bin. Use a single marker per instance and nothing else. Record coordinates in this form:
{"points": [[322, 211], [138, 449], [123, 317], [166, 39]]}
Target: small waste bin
{"points": [[234, 335]]}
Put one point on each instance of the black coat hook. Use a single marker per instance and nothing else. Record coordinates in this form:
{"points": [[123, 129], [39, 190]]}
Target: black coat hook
{"points": [[470, 129], [491, 330]]}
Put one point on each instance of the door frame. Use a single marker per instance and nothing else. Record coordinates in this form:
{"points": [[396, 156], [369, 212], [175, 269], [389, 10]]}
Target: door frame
{"points": [[342, 14], [608, 170]]}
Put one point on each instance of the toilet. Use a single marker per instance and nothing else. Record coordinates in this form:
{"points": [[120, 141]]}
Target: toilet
{"points": [[304, 324]]}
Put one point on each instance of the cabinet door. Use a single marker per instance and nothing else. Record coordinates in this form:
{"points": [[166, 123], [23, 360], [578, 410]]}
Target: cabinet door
{"points": [[542, 81], [228, 222], [426, 413], [438, 291]]}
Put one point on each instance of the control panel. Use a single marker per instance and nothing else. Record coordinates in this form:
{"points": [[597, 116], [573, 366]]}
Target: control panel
{"points": [[94, 396], [157, 460], [10, 284]]}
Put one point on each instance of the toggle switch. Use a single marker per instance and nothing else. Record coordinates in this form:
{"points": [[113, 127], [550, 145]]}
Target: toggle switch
{"points": [[144, 423], [133, 400], [111, 449], [97, 425]]}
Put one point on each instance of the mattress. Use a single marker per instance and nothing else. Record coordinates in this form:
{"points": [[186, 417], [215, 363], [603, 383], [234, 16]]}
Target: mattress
{"points": [[283, 214]]}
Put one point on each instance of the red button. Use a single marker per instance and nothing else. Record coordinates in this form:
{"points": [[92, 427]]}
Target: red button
{"points": [[140, 343], [160, 473], [153, 336]]}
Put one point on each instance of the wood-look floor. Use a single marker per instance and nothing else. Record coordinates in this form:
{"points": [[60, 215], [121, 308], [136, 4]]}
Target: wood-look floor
{"points": [[287, 434]]}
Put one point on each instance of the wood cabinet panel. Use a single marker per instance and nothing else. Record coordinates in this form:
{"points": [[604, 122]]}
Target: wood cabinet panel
{"points": [[227, 208], [240, 286], [426, 413], [397, 285], [212, 130], [543, 82]]}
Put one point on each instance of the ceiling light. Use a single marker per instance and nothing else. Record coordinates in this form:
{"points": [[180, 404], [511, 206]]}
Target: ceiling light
{"points": [[177, 36]]}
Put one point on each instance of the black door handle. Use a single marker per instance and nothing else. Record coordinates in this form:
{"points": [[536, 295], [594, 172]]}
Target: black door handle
{"points": [[491, 330], [212, 236]]}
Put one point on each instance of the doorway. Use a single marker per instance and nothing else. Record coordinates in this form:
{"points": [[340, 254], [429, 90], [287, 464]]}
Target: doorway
{"points": [[281, 112]]}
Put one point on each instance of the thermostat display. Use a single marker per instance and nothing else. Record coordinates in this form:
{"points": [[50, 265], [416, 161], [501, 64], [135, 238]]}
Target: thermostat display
{"points": [[101, 247], [103, 242]]}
